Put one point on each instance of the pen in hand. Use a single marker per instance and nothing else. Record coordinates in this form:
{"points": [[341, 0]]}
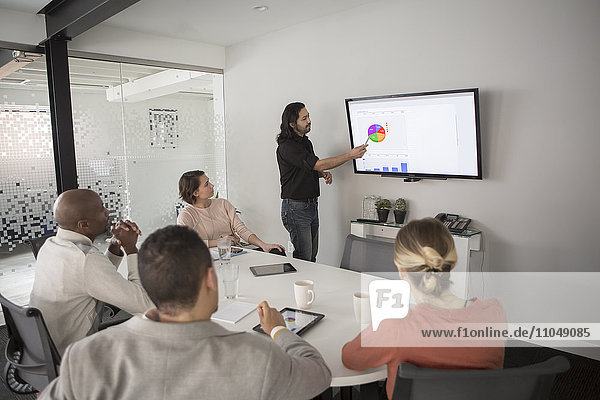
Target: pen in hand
{"points": [[366, 141]]}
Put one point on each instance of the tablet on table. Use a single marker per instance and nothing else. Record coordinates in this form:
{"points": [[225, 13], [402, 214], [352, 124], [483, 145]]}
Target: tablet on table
{"points": [[272, 269], [297, 321]]}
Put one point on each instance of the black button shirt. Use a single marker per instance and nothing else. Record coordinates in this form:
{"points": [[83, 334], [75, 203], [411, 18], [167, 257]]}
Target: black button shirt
{"points": [[296, 158]]}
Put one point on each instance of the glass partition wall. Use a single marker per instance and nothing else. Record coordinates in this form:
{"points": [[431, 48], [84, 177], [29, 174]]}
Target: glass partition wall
{"points": [[137, 128], [27, 175]]}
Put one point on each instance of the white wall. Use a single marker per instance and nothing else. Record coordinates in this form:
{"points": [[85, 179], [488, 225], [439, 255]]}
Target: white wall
{"points": [[536, 64]]}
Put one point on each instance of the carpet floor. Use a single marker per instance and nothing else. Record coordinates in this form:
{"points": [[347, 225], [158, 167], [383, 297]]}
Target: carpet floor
{"points": [[5, 392]]}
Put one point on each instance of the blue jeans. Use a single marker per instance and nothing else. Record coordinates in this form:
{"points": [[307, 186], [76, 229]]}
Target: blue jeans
{"points": [[301, 220]]}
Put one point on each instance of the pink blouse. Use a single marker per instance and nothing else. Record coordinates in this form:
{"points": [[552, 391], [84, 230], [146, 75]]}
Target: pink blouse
{"points": [[218, 219]]}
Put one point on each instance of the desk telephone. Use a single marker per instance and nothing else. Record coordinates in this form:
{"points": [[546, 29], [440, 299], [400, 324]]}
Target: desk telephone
{"points": [[454, 222]]}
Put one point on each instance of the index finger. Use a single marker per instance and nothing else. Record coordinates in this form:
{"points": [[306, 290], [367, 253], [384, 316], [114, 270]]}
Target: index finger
{"points": [[263, 304]]}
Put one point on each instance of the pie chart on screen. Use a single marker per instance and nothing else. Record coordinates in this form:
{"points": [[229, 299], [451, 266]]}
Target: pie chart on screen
{"points": [[376, 133]]}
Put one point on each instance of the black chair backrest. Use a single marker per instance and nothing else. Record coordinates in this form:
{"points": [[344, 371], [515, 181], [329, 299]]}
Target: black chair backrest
{"points": [[36, 243], [30, 351], [532, 382], [368, 255]]}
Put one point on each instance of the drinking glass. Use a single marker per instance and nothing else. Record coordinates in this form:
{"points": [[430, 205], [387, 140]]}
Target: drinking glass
{"points": [[230, 273], [224, 246]]}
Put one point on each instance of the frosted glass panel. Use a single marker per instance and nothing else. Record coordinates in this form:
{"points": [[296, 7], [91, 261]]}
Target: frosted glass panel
{"points": [[138, 128], [98, 132], [27, 176]]}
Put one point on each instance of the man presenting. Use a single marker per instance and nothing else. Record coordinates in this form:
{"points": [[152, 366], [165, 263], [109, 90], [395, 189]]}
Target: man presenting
{"points": [[299, 172], [73, 278], [175, 351]]}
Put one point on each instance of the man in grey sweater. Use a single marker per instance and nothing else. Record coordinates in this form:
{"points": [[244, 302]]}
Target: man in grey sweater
{"points": [[176, 351], [73, 278]]}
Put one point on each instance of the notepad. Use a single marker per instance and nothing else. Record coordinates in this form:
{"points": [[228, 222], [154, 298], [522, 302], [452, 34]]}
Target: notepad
{"points": [[233, 312]]}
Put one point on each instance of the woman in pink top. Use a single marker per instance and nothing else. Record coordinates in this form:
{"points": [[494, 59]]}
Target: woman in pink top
{"points": [[213, 218], [425, 254]]}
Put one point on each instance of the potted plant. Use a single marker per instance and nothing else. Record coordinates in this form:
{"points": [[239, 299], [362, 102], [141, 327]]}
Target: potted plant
{"points": [[400, 210], [383, 207]]}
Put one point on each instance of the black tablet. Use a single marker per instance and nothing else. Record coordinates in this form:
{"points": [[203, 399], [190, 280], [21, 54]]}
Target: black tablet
{"points": [[272, 269], [297, 321]]}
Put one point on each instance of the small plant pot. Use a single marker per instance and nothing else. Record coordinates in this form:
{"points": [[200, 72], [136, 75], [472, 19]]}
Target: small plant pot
{"points": [[399, 216], [382, 215]]}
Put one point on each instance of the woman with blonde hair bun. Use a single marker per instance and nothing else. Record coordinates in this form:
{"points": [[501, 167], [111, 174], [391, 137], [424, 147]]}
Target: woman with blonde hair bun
{"points": [[425, 254]]}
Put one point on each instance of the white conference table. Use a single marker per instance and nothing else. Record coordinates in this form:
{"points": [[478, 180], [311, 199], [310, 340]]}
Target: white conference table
{"points": [[334, 288]]}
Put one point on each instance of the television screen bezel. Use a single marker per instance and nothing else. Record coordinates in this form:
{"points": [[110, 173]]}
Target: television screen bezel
{"points": [[475, 92]]}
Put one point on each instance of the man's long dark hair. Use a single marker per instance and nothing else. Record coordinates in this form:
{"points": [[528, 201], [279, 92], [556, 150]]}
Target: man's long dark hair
{"points": [[290, 115]]}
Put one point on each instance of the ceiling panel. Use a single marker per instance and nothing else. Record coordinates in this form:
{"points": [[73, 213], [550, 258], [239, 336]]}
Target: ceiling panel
{"points": [[224, 22], [28, 6], [220, 22]]}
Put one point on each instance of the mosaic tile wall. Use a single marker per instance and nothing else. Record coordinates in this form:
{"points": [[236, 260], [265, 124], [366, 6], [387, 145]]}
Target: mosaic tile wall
{"points": [[27, 184], [100, 156], [115, 157]]}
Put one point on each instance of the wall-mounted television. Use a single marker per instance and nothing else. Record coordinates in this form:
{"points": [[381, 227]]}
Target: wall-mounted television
{"points": [[418, 135]]}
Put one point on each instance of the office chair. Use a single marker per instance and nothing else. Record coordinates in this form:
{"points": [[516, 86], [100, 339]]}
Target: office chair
{"points": [[532, 382], [32, 359], [36, 243], [375, 257]]}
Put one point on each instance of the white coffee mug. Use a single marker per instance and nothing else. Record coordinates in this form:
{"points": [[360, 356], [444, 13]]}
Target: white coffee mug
{"points": [[304, 292], [362, 307]]}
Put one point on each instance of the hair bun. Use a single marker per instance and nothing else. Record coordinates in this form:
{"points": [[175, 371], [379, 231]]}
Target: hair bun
{"points": [[432, 258]]}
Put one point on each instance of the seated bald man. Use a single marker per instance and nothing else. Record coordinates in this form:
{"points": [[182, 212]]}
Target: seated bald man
{"points": [[73, 277], [177, 352]]}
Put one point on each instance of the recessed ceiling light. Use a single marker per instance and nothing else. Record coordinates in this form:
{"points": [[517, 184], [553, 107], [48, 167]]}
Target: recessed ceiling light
{"points": [[260, 8]]}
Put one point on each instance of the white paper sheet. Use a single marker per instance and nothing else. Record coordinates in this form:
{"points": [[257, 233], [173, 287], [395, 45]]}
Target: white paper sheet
{"points": [[233, 312]]}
